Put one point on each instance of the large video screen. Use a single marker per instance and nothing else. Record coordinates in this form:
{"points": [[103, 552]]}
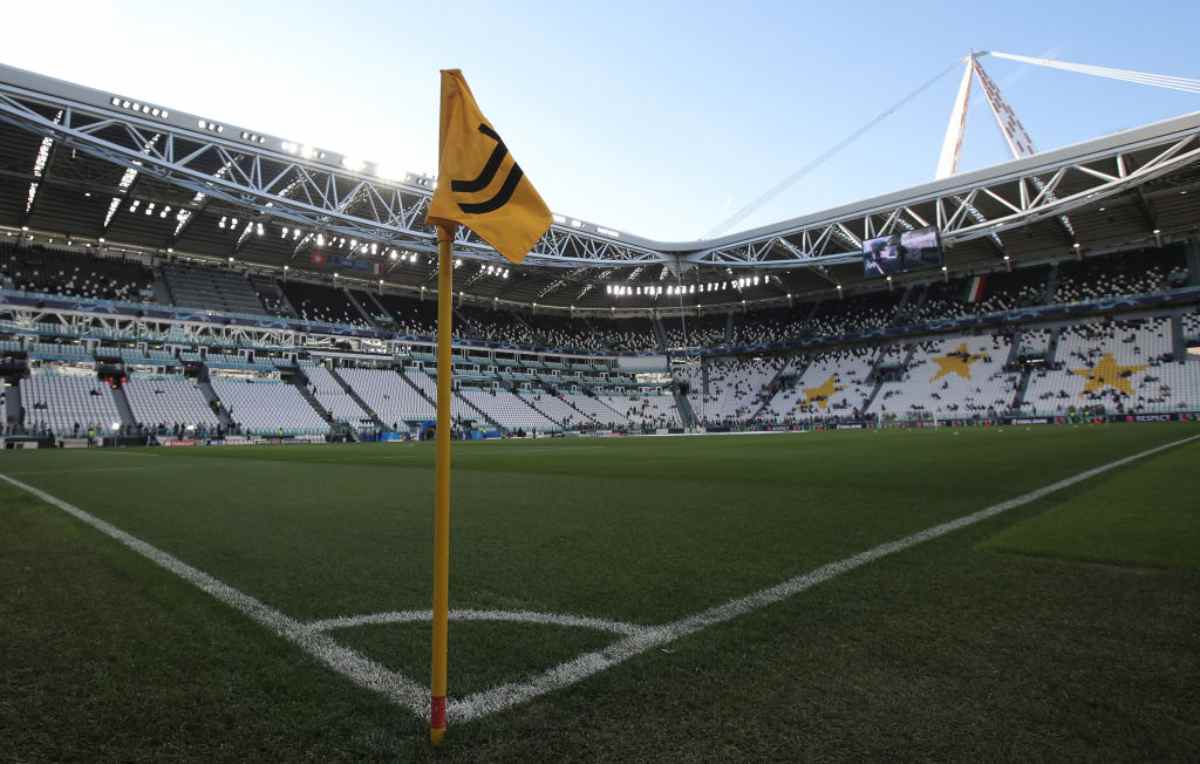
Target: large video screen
{"points": [[901, 252]]}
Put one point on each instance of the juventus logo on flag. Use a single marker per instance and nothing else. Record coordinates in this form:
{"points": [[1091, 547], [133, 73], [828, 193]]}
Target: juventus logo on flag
{"points": [[486, 176], [487, 190]]}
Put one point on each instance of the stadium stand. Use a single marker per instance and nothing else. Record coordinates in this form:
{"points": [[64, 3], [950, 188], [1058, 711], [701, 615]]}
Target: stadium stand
{"points": [[557, 410], [379, 315], [67, 404], [387, 394], [705, 331], [954, 377], [333, 397], [459, 409], [61, 272], [159, 402], [508, 410], [824, 384], [268, 407], [647, 411], [492, 325], [414, 318], [1115, 276], [271, 296], [211, 288], [576, 333], [596, 410], [736, 389], [319, 303], [1118, 367]]}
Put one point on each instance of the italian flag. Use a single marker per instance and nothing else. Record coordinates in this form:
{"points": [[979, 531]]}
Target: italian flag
{"points": [[975, 289]]}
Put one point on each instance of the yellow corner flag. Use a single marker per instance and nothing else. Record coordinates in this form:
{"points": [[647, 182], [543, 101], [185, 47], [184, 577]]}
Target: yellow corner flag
{"points": [[480, 185]]}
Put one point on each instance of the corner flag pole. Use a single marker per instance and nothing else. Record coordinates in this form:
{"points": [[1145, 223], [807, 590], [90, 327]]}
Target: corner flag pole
{"points": [[441, 515]]}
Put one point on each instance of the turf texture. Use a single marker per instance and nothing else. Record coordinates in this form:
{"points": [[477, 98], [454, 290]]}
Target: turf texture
{"points": [[953, 649]]}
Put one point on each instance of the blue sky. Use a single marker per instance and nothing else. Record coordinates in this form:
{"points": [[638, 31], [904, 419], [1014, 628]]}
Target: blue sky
{"points": [[657, 118]]}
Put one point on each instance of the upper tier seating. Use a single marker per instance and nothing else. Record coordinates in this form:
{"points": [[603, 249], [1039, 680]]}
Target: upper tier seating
{"points": [[491, 325], [1116, 275], [61, 272], [324, 304], [211, 288], [414, 318], [692, 331], [271, 296]]}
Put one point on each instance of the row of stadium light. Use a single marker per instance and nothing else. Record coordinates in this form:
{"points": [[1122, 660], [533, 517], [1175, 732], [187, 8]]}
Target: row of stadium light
{"points": [[140, 108], [494, 270], [619, 290], [149, 209]]}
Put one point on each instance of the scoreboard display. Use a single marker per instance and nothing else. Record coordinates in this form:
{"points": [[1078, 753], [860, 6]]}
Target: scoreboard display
{"points": [[902, 252]]}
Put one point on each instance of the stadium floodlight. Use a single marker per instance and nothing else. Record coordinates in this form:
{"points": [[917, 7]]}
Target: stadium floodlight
{"points": [[412, 258], [505, 274], [285, 267], [320, 240], [458, 263], [392, 255]]}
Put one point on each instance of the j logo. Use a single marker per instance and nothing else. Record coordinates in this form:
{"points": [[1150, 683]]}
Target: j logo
{"points": [[486, 176]]}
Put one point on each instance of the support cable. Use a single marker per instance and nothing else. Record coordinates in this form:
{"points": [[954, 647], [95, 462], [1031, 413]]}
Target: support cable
{"points": [[792, 179]]}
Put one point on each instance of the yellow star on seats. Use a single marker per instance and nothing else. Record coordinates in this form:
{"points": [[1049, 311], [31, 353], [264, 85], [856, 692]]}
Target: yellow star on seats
{"points": [[958, 361], [822, 393], [1109, 373]]}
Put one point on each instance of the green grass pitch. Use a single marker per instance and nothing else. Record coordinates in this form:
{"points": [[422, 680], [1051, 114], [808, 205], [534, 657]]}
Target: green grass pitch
{"points": [[1065, 628]]}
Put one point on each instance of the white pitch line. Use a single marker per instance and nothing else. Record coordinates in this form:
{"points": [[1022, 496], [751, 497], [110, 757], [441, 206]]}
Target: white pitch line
{"points": [[576, 670], [362, 671], [407, 693], [507, 616]]}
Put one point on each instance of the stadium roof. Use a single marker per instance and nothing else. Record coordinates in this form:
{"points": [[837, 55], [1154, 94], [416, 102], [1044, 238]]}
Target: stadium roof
{"points": [[87, 166]]}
